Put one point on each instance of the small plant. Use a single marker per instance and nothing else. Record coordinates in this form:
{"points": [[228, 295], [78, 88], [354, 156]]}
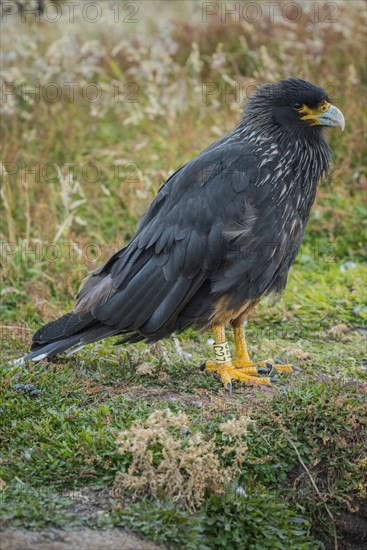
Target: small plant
{"points": [[168, 460]]}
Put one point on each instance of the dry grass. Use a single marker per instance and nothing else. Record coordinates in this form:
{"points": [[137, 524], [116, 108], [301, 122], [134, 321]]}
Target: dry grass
{"points": [[161, 80], [167, 460]]}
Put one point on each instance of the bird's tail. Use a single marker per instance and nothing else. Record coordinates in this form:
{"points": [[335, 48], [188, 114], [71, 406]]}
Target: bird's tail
{"points": [[62, 335]]}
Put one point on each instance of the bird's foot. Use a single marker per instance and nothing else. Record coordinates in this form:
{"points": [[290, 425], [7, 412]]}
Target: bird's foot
{"points": [[248, 372], [268, 366]]}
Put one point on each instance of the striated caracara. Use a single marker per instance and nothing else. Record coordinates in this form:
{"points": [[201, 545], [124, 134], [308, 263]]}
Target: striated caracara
{"points": [[221, 233]]}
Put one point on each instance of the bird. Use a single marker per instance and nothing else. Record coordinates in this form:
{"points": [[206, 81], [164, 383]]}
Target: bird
{"points": [[220, 235]]}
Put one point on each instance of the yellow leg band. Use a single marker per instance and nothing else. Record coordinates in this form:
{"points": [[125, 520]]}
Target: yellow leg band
{"points": [[222, 353]]}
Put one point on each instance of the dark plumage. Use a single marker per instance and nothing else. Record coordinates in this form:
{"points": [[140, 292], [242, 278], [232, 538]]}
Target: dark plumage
{"points": [[221, 233]]}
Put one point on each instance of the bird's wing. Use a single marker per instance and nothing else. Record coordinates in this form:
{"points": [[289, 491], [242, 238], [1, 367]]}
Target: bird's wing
{"points": [[179, 243]]}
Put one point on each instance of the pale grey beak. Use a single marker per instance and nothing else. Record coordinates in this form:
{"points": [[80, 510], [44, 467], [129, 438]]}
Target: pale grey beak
{"points": [[332, 117]]}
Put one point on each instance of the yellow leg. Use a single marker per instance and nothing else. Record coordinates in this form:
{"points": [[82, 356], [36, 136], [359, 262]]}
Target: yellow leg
{"points": [[243, 360], [240, 343], [242, 369], [224, 366]]}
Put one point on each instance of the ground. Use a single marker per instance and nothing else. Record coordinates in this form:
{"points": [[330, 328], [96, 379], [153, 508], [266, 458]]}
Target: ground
{"points": [[287, 463], [57, 539]]}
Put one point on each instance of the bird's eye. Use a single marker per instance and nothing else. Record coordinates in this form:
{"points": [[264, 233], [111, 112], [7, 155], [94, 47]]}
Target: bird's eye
{"points": [[297, 106]]}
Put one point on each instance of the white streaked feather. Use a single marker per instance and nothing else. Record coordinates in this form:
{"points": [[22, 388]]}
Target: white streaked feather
{"points": [[74, 350], [18, 362], [39, 357]]}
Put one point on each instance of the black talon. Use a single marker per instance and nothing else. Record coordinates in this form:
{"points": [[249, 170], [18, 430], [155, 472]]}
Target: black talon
{"points": [[295, 368], [274, 380], [270, 367], [276, 361], [202, 367], [230, 389], [262, 370]]}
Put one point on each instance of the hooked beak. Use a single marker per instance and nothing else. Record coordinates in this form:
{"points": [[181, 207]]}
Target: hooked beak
{"points": [[325, 115], [332, 117]]}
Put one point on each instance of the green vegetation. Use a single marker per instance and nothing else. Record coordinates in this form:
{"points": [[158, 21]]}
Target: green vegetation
{"points": [[303, 466]]}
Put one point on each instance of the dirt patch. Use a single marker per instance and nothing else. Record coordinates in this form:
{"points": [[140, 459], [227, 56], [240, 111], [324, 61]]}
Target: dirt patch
{"points": [[86, 505], [81, 539], [205, 400], [353, 526]]}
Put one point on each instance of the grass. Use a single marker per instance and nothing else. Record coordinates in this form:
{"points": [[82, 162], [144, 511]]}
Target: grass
{"points": [[303, 470]]}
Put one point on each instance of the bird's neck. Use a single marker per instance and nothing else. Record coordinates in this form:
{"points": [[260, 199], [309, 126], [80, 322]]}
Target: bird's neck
{"points": [[296, 165], [306, 152]]}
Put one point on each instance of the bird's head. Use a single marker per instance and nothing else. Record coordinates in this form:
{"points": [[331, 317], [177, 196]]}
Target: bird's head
{"points": [[292, 108]]}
